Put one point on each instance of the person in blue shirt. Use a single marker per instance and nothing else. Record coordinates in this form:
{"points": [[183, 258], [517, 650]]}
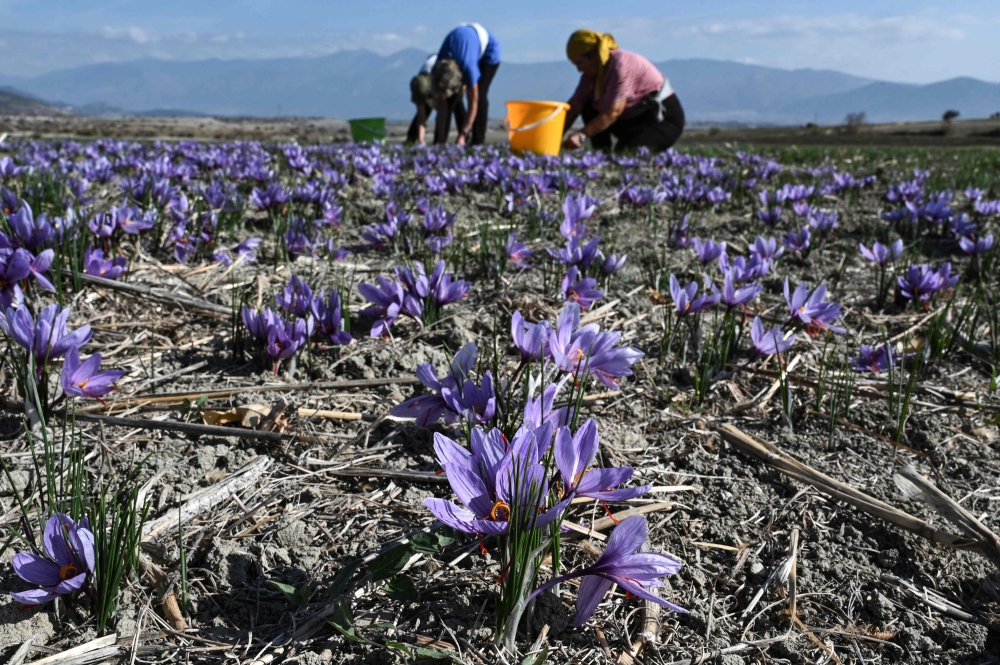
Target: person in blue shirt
{"points": [[468, 59]]}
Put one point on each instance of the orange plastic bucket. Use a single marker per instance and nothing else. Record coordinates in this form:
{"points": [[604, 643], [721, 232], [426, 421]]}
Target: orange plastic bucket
{"points": [[535, 126]]}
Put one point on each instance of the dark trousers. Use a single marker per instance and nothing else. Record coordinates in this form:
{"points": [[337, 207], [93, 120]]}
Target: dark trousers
{"points": [[456, 106], [412, 133], [639, 127]]}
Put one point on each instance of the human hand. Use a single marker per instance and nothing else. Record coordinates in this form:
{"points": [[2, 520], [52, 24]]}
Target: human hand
{"points": [[461, 139], [573, 141]]}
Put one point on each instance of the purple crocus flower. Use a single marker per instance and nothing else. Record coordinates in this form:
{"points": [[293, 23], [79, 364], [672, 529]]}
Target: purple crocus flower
{"points": [[582, 292], [388, 300], [103, 225], [575, 255], [811, 309], [685, 301], [873, 359], [69, 549], [613, 264], [444, 288], [296, 297], [730, 296], [744, 270], [39, 265], [979, 245], [708, 250], [879, 254], [920, 282], [428, 409], [15, 265], [823, 221], [32, 232], [131, 220], [575, 453], [797, 241], [517, 252], [95, 264], [83, 379], [623, 564], [483, 480], [584, 351], [576, 210], [475, 404], [530, 338], [771, 217], [47, 338], [286, 337], [329, 322], [769, 342], [766, 248]]}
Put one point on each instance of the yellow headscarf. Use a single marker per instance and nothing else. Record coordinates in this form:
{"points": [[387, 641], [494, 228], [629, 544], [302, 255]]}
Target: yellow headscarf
{"points": [[584, 41]]}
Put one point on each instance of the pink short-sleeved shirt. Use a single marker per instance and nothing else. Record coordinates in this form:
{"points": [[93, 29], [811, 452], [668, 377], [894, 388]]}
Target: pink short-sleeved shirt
{"points": [[627, 76]]}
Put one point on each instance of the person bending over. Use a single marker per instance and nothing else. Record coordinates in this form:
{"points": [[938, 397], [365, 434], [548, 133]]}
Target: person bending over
{"points": [[420, 95], [620, 94], [469, 59]]}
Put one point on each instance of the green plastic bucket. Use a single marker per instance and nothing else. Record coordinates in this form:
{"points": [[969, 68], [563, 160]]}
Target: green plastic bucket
{"points": [[367, 129]]}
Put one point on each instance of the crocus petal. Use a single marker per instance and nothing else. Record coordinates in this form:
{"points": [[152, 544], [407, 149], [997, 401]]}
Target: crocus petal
{"points": [[36, 569], [461, 519], [637, 590], [592, 591]]}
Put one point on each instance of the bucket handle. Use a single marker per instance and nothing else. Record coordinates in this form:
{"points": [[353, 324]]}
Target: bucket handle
{"points": [[538, 123]]}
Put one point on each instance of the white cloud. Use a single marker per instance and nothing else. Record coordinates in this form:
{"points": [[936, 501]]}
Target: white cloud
{"points": [[133, 33], [871, 28]]}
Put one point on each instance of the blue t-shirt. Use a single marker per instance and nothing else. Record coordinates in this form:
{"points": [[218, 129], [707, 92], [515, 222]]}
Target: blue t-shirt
{"points": [[463, 46]]}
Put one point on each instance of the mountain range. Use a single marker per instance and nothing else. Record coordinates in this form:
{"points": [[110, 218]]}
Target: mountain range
{"points": [[361, 83]]}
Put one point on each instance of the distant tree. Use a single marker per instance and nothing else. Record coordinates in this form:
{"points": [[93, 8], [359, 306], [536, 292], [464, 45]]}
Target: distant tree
{"points": [[995, 116], [950, 115], [855, 119]]}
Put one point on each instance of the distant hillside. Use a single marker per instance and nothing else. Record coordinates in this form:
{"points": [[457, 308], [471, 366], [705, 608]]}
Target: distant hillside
{"points": [[891, 102], [12, 103], [361, 83]]}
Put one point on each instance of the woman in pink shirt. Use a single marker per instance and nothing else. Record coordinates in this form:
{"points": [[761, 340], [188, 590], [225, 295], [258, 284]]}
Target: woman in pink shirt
{"points": [[620, 94]]}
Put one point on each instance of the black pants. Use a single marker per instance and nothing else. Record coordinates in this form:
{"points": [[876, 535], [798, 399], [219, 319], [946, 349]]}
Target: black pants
{"points": [[638, 126], [456, 105], [412, 134]]}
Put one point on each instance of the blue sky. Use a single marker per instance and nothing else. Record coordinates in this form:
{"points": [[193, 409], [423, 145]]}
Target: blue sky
{"points": [[913, 41]]}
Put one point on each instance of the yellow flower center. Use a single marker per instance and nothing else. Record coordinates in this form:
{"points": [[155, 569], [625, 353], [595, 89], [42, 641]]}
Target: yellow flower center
{"points": [[68, 571]]}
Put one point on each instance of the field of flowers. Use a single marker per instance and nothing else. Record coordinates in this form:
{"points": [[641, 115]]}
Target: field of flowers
{"points": [[364, 403]]}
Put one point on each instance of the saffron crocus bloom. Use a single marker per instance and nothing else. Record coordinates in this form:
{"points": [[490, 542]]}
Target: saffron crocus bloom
{"points": [[296, 297], [708, 250], [83, 379], [576, 210], [444, 288], [978, 246], [329, 322], [613, 264], [770, 216], [32, 232], [387, 303], [47, 338], [685, 301], [584, 351], [769, 342], [766, 248], [582, 292], [920, 282], [730, 296], [811, 309], [879, 254], [476, 404], [623, 564], [69, 549], [285, 338], [823, 221], [428, 409], [530, 338], [575, 453], [873, 359], [102, 225], [483, 480], [797, 241], [517, 252], [575, 255], [95, 264]]}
